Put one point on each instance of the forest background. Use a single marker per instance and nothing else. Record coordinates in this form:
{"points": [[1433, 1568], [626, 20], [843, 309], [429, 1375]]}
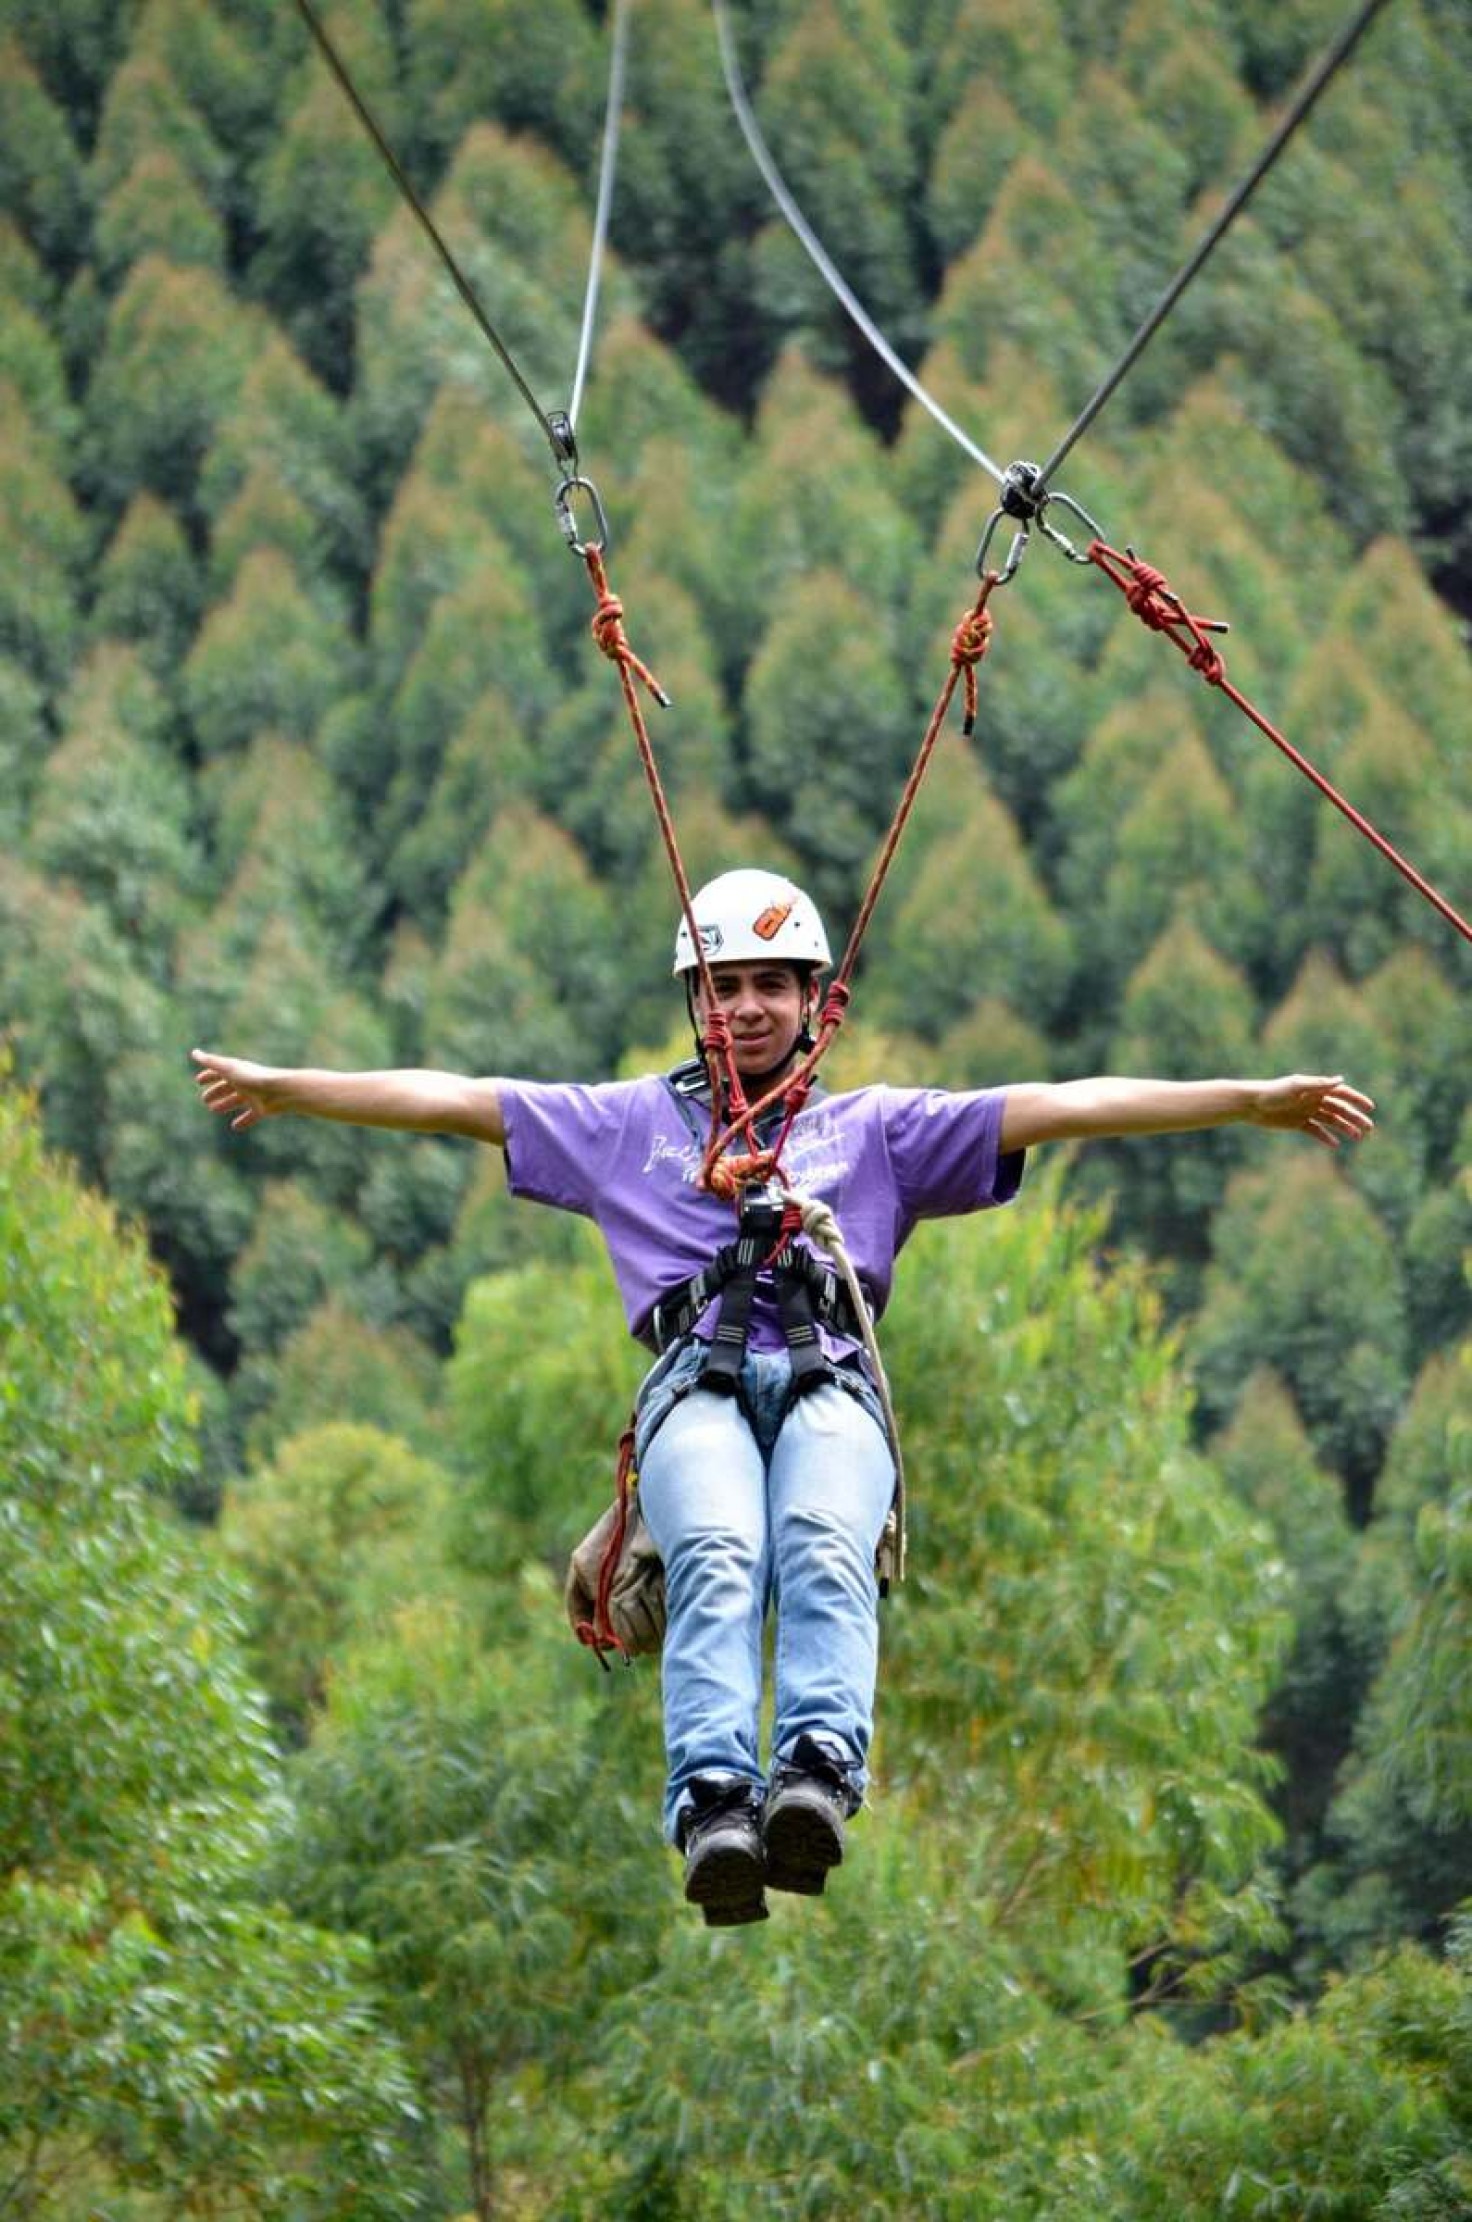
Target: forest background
{"points": [[330, 1882]]}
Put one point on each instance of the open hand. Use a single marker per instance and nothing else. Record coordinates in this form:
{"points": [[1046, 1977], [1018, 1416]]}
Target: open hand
{"points": [[1327, 1108], [232, 1084]]}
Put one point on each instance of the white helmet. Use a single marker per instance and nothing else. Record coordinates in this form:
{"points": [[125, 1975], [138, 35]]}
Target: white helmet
{"points": [[748, 915]]}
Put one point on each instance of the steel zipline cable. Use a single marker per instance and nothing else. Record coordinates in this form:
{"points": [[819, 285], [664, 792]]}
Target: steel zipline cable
{"points": [[557, 427], [1327, 67], [613, 110], [808, 239], [1030, 480]]}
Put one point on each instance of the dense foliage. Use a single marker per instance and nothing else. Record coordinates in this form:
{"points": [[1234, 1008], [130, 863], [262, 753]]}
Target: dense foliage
{"points": [[304, 752]]}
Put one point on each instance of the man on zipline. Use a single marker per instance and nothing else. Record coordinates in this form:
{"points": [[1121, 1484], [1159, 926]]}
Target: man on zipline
{"points": [[765, 1473]]}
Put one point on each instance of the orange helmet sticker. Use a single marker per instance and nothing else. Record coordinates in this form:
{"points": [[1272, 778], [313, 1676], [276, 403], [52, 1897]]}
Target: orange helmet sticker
{"points": [[771, 922]]}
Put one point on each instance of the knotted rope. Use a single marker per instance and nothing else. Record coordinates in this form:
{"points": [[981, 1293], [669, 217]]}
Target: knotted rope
{"points": [[1160, 608], [969, 644]]}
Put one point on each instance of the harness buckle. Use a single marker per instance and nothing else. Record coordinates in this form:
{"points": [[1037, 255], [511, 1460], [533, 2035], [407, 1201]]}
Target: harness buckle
{"points": [[762, 1211]]}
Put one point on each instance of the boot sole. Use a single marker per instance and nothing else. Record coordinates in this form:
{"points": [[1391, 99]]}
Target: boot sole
{"points": [[803, 1843], [727, 1886]]}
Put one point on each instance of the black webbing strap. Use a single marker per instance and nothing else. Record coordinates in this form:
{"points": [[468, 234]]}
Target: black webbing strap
{"points": [[733, 1321], [680, 1308], [799, 1331]]}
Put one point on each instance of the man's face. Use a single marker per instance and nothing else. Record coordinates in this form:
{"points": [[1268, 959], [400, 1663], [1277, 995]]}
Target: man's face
{"points": [[765, 1005]]}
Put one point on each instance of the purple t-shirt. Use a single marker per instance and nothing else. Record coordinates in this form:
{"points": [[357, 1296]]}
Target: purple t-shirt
{"points": [[626, 1154]]}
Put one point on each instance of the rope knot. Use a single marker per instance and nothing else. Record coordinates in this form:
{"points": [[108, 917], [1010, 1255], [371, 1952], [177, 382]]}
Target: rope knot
{"points": [[1150, 598], [835, 1003], [729, 1175], [608, 632], [608, 628], [969, 643]]}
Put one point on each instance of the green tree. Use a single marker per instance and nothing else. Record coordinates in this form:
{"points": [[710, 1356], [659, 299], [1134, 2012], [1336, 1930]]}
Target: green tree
{"points": [[321, 192], [44, 546], [1266, 1456], [473, 1809], [1179, 849], [688, 201], [542, 1377], [264, 661], [332, 1536], [31, 367], [175, 356], [518, 226], [340, 1367], [298, 1253], [1387, 769], [1304, 1275], [535, 69], [815, 496], [289, 858], [114, 810], [1188, 86], [229, 62], [530, 975], [24, 742], [1323, 1024], [147, 114], [981, 142], [43, 185], [74, 45], [1291, 363], [1401, 1828], [157, 210], [968, 915], [830, 733], [1134, 177], [1185, 1011], [260, 978], [159, 2025], [1063, 1660], [284, 419], [836, 104], [1037, 276], [1419, 657], [76, 1003], [149, 585]]}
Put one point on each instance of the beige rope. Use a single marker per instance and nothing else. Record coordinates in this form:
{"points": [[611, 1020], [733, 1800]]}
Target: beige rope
{"points": [[820, 1226]]}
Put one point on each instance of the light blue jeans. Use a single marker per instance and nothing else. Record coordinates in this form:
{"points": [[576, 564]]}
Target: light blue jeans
{"points": [[751, 1502]]}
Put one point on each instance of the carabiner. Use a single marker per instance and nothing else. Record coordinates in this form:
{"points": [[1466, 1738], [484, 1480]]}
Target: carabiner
{"points": [[1015, 553], [562, 502], [1059, 539]]}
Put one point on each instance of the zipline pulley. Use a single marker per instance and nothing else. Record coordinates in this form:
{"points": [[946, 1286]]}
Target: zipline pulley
{"points": [[563, 442]]}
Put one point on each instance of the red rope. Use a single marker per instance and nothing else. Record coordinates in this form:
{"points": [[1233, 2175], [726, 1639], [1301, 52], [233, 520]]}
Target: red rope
{"points": [[733, 1119], [598, 1633], [969, 644], [608, 632], [1162, 610]]}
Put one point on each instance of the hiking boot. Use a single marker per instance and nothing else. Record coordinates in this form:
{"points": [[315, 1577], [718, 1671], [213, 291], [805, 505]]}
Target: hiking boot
{"points": [[720, 1835], [802, 1824]]}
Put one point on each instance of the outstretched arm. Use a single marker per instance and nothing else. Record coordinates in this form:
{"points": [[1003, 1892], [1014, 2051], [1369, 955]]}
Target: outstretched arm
{"points": [[418, 1102], [1078, 1110]]}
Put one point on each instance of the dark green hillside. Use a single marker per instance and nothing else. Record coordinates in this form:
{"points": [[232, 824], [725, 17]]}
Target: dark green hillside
{"points": [[305, 752]]}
